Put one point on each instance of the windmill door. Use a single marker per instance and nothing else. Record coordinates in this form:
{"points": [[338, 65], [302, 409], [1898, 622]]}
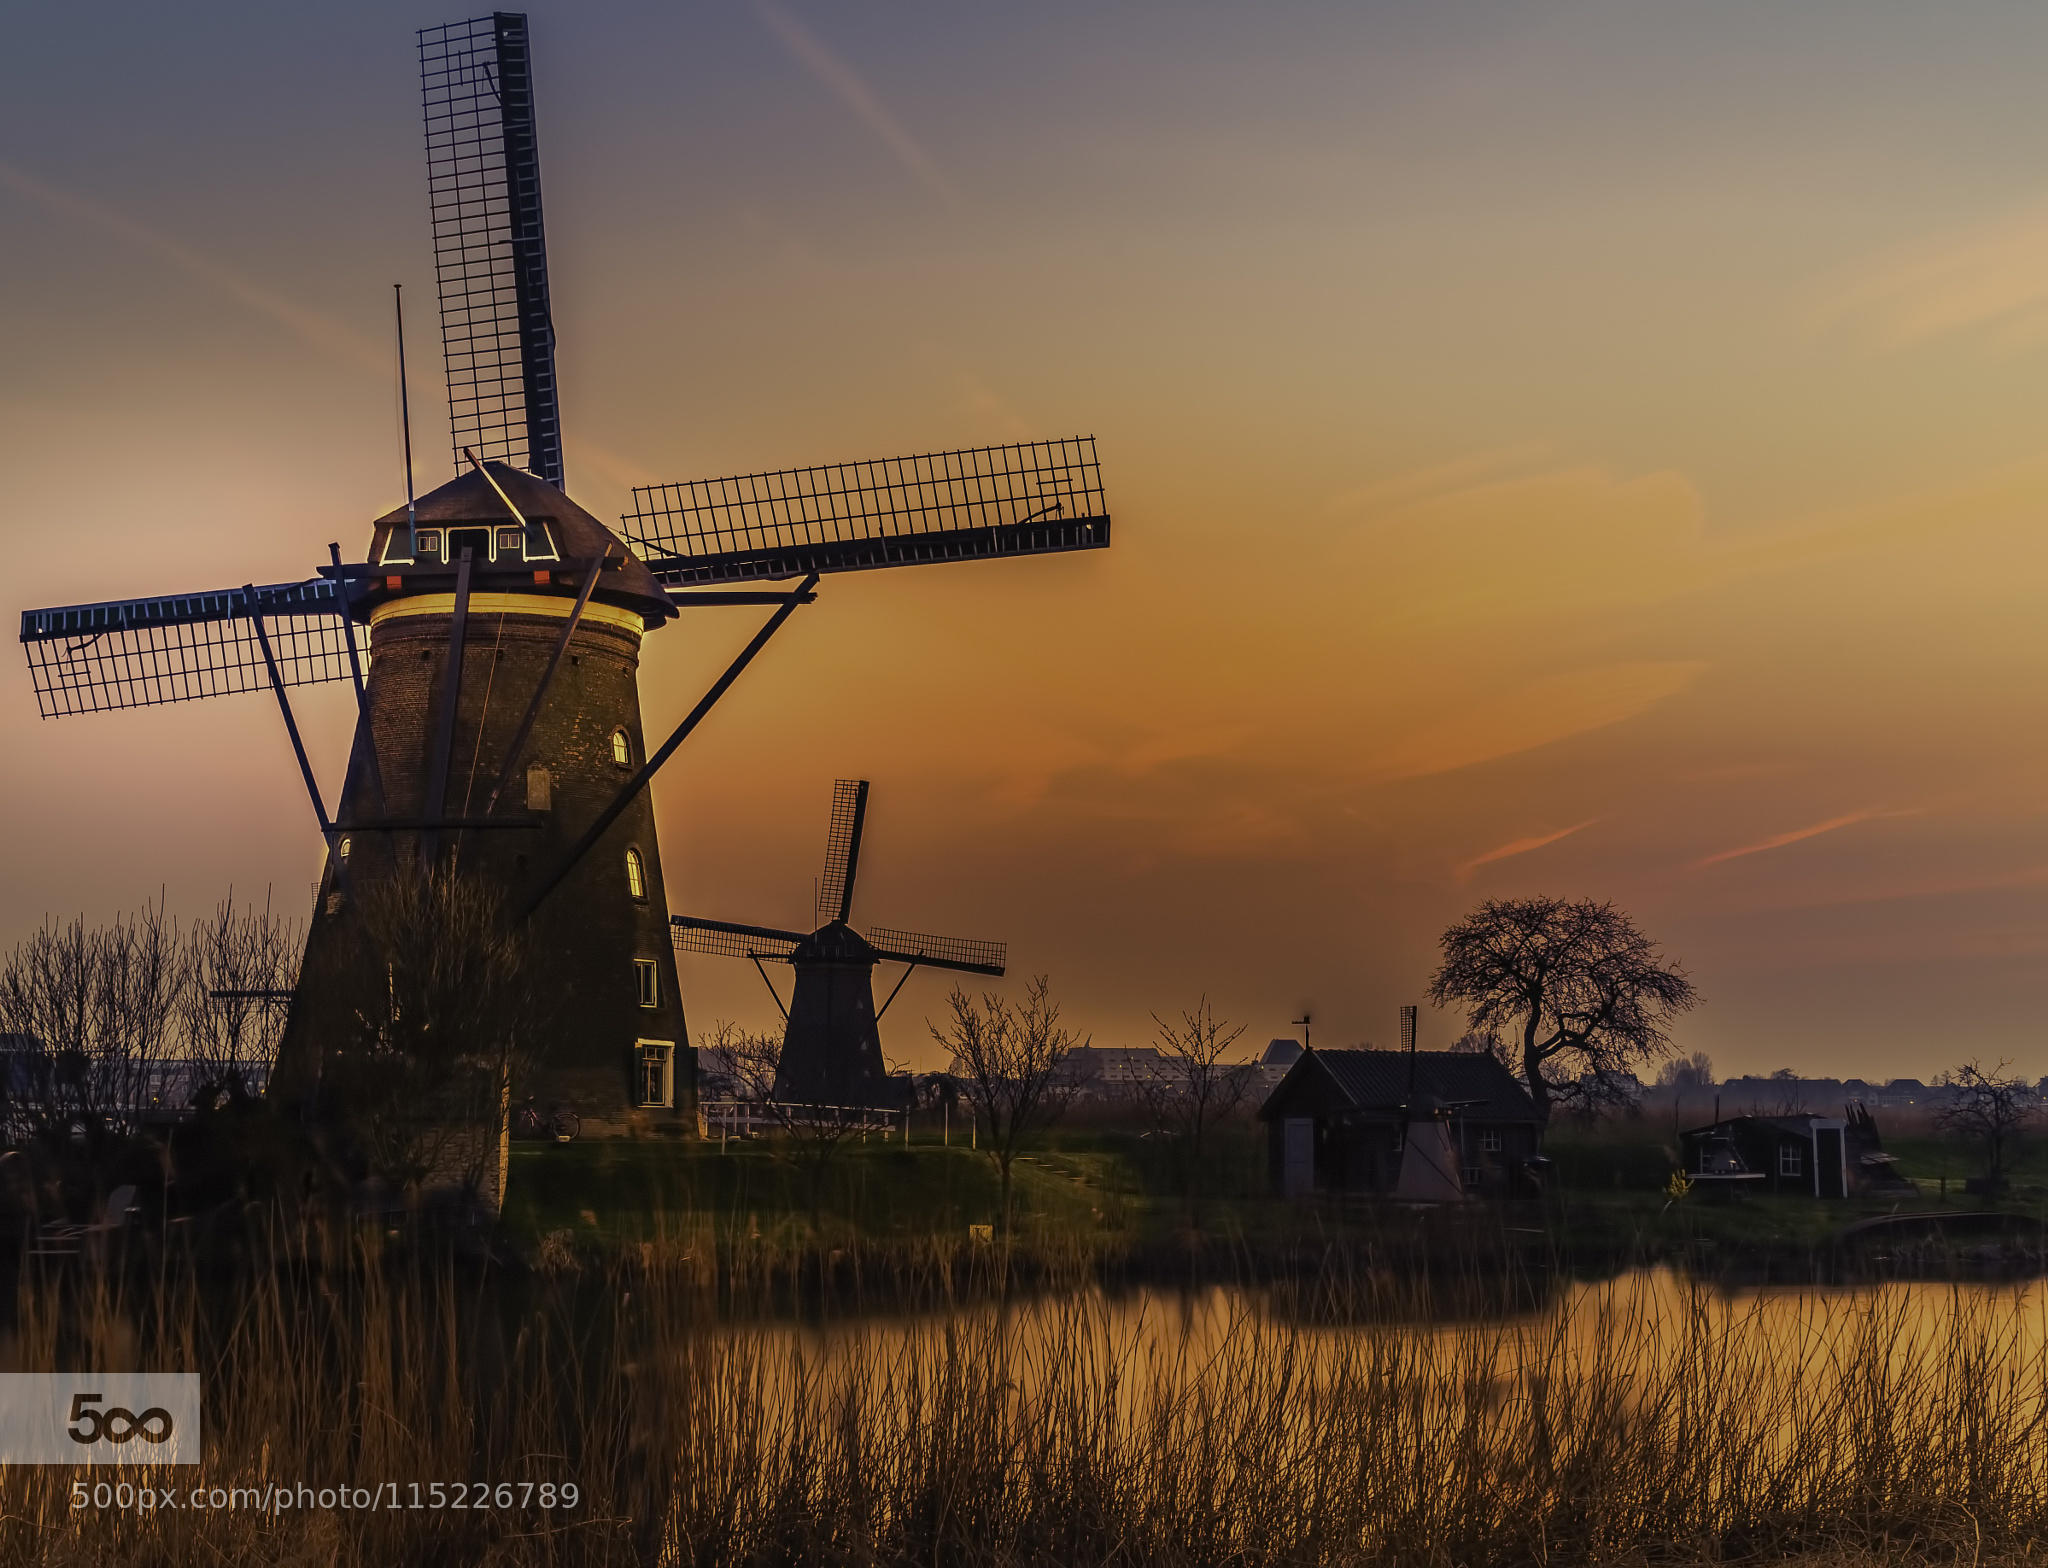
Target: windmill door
{"points": [[1297, 1156]]}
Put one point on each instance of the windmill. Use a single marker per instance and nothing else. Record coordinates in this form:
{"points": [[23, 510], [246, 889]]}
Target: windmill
{"points": [[492, 631], [831, 1047]]}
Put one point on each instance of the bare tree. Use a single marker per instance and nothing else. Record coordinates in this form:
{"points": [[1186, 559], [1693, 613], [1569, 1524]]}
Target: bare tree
{"points": [[1687, 1072], [240, 966], [90, 1017], [1993, 1108], [1196, 1089], [443, 1006], [1580, 994], [1007, 1057]]}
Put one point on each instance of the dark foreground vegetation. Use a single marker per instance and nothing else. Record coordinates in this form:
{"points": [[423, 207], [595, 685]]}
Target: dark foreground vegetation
{"points": [[1341, 1419]]}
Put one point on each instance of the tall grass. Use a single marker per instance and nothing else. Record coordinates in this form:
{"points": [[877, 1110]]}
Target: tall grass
{"points": [[1650, 1420]]}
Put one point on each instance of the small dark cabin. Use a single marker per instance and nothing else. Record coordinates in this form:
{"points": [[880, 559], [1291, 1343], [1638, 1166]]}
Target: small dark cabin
{"points": [[1335, 1123], [1787, 1154]]}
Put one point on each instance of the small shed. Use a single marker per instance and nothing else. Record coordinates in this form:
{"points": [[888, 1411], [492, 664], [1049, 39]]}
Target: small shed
{"points": [[1786, 1154], [1338, 1122]]}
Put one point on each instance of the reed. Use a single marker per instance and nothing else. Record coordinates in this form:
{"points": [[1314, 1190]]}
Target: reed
{"points": [[703, 1422]]}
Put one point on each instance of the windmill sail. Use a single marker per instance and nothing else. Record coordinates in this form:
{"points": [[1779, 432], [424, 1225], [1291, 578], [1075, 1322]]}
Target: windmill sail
{"points": [[490, 250], [139, 653], [938, 952], [1033, 498], [729, 939], [842, 849]]}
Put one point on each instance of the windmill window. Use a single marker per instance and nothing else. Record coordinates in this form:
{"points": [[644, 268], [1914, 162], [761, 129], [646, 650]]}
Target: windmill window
{"points": [[622, 748], [540, 543], [657, 1077], [510, 542], [1489, 1143], [341, 849], [540, 789], [647, 982], [636, 874], [477, 541], [430, 543]]}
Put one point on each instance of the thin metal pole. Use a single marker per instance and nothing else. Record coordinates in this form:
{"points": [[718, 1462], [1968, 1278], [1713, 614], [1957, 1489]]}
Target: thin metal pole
{"points": [[652, 765], [405, 424], [291, 725]]}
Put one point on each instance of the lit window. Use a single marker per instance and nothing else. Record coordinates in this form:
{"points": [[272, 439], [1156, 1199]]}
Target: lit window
{"points": [[622, 748], [341, 849], [1791, 1160], [657, 1084], [636, 874], [540, 789], [647, 980], [1489, 1143]]}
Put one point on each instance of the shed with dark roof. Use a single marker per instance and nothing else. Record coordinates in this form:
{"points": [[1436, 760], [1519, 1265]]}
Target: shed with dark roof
{"points": [[1337, 1122]]}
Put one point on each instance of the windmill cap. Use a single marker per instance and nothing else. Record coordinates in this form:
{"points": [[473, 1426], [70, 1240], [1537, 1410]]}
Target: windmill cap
{"points": [[469, 500]]}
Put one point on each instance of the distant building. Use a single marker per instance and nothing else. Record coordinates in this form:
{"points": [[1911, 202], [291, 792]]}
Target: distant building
{"points": [[1113, 1072], [1338, 1121]]}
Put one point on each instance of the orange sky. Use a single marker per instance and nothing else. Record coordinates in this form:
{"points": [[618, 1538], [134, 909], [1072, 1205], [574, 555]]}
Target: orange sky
{"points": [[1588, 454]]}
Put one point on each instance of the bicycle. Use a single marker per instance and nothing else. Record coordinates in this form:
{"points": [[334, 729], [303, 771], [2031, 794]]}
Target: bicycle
{"points": [[560, 1122]]}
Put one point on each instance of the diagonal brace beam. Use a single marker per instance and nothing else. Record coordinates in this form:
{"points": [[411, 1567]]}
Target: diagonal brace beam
{"points": [[631, 789], [284, 706]]}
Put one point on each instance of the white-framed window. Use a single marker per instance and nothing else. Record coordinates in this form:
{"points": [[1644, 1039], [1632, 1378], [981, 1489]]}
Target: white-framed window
{"points": [[1490, 1142], [511, 543], [429, 543], [622, 748], [1791, 1160], [540, 541], [647, 982], [636, 874], [657, 1072]]}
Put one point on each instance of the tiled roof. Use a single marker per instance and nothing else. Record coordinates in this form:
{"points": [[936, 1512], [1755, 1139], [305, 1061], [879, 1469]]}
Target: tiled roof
{"points": [[1374, 1080]]}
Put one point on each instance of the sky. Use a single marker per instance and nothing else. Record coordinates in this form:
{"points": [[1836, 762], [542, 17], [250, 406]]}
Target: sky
{"points": [[1589, 449]]}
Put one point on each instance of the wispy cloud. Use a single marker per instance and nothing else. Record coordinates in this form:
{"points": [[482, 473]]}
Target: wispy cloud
{"points": [[1797, 835], [1519, 846], [336, 339], [841, 78], [1990, 278], [1457, 474]]}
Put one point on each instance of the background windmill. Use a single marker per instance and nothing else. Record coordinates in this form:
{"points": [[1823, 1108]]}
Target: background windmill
{"points": [[492, 630], [832, 1048]]}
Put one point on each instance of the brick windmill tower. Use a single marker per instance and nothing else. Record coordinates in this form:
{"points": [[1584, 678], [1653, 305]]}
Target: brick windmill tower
{"points": [[492, 630]]}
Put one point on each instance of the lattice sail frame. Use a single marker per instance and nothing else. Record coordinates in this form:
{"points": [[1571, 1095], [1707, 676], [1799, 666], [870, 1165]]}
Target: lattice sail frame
{"points": [[938, 952], [842, 849], [1031, 498], [141, 653], [724, 939], [490, 248]]}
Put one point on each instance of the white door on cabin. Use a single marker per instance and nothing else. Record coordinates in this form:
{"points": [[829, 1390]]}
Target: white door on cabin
{"points": [[1297, 1156]]}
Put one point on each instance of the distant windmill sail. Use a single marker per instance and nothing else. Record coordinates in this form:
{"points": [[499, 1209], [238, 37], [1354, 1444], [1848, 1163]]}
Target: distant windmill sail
{"points": [[490, 248], [842, 849]]}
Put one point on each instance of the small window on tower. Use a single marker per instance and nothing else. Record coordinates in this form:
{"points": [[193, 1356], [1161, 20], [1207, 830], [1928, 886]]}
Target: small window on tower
{"points": [[647, 981], [622, 748], [430, 544], [341, 849], [540, 789], [510, 542], [636, 874]]}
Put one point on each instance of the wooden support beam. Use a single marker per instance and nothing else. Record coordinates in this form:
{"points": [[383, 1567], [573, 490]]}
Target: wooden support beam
{"points": [[436, 801]]}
